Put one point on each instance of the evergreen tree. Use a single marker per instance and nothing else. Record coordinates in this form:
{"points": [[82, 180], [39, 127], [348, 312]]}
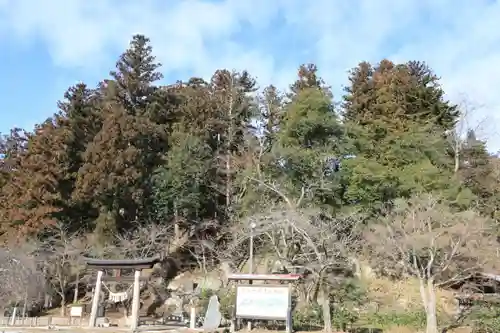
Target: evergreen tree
{"points": [[476, 172], [129, 145], [182, 185], [396, 119], [309, 142]]}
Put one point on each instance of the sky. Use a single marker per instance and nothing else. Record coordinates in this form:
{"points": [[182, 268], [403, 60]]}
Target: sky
{"points": [[50, 45]]}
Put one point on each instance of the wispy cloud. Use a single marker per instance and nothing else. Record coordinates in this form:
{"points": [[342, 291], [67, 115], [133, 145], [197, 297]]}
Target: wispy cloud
{"points": [[460, 39]]}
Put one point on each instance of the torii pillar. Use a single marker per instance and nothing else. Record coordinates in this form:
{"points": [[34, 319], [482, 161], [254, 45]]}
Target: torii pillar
{"points": [[137, 265]]}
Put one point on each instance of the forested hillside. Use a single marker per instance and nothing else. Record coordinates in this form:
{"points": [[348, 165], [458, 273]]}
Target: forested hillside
{"points": [[381, 173]]}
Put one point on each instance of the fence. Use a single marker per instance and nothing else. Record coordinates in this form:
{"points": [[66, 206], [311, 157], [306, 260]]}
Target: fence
{"points": [[42, 321]]}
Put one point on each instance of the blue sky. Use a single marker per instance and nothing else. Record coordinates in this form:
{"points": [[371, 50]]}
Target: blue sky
{"points": [[50, 45]]}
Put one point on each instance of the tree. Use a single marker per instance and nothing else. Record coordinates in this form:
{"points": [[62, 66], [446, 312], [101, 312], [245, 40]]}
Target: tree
{"points": [[396, 119], [145, 241], [78, 122], [321, 245], [182, 185], [12, 148], [130, 143], [61, 252], [271, 114], [233, 111], [309, 145], [22, 282], [47, 168], [397, 94], [425, 239], [32, 193], [303, 145]]}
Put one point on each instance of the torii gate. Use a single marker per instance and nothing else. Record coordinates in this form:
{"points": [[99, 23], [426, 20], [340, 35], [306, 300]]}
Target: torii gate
{"points": [[137, 264]]}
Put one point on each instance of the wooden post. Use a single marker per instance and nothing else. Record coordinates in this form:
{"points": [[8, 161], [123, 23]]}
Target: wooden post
{"points": [[250, 282], [289, 325], [234, 324], [135, 301], [95, 300], [13, 318], [192, 318]]}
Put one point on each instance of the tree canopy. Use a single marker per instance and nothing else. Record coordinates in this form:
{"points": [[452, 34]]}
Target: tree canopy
{"points": [[133, 149]]}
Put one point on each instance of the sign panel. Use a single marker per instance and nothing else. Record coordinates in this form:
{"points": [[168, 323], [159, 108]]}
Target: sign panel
{"points": [[76, 311], [262, 302]]}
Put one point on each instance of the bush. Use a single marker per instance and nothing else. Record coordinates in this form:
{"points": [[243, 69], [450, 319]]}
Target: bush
{"points": [[307, 318], [486, 319], [345, 299], [415, 319], [226, 301]]}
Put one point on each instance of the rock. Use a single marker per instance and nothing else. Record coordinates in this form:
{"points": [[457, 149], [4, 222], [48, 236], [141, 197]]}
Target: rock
{"points": [[209, 282], [102, 322], [125, 321], [212, 316], [182, 282], [174, 305]]}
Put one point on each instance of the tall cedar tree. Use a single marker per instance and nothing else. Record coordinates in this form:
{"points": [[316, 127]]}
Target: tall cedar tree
{"points": [[396, 118], [271, 113], [79, 120], [309, 142], [32, 193], [127, 149], [233, 111], [47, 171], [183, 185], [12, 149], [477, 173]]}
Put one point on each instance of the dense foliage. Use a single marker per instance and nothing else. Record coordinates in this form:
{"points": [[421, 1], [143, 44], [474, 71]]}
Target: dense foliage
{"points": [[131, 150]]}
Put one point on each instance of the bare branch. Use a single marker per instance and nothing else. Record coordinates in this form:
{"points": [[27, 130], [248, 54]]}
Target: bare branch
{"points": [[21, 280], [145, 241]]}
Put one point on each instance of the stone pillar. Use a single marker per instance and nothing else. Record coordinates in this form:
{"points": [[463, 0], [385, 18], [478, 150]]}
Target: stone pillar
{"points": [[95, 299], [135, 301]]}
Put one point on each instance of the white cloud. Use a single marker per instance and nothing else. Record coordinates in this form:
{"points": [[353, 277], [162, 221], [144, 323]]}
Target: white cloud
{"points": [[459, 38]]}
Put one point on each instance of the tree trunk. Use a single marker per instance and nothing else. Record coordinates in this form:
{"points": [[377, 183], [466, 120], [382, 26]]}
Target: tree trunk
{"points": [[428, 294], [325, 305], [431, 308], [75, 295], [46, 302], [63, 305], [25, 305], [457, 161]]}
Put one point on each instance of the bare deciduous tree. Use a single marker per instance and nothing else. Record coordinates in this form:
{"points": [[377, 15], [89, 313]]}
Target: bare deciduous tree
{"points": [[149, 240], [22, 282], [425, 239], [62, 253], [320, 244]]}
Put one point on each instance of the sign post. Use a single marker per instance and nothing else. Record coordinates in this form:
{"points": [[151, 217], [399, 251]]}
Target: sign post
{"points": [[265, 301]]}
